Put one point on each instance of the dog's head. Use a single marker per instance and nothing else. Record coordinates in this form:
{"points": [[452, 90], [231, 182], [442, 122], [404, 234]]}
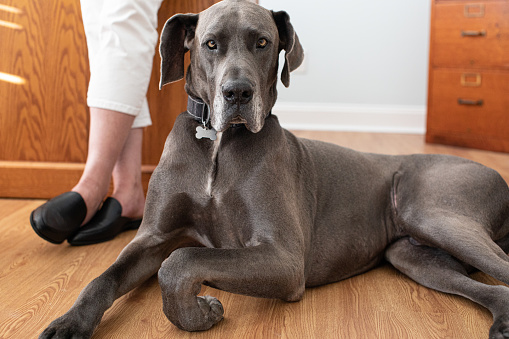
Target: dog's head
{"points": [[234, 47]]}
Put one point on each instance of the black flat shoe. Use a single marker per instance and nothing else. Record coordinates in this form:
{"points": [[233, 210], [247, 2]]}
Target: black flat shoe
{"points": [[59, 218], [105, 225]]}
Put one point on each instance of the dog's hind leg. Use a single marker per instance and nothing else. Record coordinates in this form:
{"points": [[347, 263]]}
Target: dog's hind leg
{"points": [[464, 239], [437, 269], [458, 206]]}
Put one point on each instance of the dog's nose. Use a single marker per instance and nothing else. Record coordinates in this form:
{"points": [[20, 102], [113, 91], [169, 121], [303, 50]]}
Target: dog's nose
{"points": [[237, 91]]}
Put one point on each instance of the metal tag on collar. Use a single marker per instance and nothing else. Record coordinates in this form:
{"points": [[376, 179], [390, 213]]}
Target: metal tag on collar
{"points": [[205, 131]]}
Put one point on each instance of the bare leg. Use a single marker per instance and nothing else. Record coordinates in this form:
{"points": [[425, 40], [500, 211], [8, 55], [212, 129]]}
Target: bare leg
{"points": [[109, 131], [127, 176]]}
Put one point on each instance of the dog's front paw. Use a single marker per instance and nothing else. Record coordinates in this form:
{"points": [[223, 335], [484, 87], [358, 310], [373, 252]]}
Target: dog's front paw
{"points": [[212, 309], [201, 315], [209, 313], [500, 328], [66, 327]]}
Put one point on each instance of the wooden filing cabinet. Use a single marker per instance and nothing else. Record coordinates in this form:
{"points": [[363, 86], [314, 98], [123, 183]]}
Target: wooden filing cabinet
{"points": [[468, 93]]}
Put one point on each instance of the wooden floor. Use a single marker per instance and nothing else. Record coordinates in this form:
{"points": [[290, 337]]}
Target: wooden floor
{"points": [[40, 281]]}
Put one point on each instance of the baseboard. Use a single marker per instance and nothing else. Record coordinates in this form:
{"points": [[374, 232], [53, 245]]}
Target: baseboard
{"points": [[358, 118], [44, 180]]}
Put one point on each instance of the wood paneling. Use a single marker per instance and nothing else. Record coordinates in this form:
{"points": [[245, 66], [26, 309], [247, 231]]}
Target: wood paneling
{"points": [[45, 120], [40, 281]]}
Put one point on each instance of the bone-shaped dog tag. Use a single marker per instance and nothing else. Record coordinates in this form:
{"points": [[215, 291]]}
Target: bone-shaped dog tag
{"points": [[205, 133]]}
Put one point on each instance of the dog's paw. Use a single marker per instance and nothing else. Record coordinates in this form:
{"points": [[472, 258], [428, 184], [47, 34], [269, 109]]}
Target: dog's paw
{"points": [[212, 310], [500, 328], [65, 327], [204, 313]]}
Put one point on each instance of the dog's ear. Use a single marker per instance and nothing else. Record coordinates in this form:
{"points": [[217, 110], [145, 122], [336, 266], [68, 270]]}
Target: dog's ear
{"points": [[289, 41], [177, 34]]}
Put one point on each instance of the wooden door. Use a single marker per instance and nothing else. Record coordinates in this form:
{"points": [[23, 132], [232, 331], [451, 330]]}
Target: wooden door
{"points": [[43, 84]]}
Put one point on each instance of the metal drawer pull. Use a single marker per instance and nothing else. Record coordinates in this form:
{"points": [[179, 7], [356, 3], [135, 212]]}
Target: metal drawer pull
{"points": [[470, 79], [473, 33], [474, 11], [471, 102]]}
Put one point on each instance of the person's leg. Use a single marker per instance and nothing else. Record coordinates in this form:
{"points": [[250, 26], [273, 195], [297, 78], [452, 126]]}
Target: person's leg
{"points": [[124, 209], [121, 39], [128, 189], [109, 131]]}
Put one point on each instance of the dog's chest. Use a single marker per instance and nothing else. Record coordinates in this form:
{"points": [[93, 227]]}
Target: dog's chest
{"points": [[212, 171]]}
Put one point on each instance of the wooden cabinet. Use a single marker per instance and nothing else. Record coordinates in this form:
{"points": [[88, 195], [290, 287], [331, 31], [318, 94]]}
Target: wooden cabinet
{"points": [[43, 83], [468, 94]]}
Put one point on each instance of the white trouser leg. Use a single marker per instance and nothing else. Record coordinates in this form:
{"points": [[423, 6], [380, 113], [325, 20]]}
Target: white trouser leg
{"points": [[121, 38]]}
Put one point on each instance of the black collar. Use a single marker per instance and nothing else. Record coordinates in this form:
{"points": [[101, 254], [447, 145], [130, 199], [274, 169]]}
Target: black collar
{"points": [[199, 110]]}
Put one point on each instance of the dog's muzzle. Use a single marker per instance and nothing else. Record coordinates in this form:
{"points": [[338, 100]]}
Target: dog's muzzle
{"points": [[238, 102]]}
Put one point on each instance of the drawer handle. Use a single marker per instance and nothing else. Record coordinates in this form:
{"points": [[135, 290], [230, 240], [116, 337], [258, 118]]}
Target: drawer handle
{"points": [[470, 79], [473, 33], [471, 102], [474, 11]]}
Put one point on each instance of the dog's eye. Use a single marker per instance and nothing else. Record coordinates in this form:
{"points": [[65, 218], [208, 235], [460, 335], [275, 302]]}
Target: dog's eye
{"points": [[262, 43], [211, 44]]}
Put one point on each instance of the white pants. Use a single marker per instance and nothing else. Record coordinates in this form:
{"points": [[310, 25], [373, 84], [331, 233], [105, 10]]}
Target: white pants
{"points": [[121, 38]]}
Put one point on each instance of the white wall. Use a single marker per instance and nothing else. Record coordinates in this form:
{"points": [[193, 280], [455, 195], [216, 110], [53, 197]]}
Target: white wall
{"points": [[366, 65]]}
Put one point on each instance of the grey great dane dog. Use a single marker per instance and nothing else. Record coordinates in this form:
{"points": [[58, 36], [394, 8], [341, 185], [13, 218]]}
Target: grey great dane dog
{"points": [[258, 211]]}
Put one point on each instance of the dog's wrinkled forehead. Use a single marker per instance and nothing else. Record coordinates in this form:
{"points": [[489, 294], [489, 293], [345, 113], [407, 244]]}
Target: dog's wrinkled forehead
{"points": [[223, 19]]}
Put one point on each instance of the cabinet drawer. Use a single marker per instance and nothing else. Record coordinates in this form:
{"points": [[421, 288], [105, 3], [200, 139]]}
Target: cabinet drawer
{"points": [[471, 35], [466, 108]]}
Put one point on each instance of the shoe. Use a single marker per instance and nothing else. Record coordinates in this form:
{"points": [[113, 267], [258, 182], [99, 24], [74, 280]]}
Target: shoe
{"points": [[105, 225], [59, 218]]}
